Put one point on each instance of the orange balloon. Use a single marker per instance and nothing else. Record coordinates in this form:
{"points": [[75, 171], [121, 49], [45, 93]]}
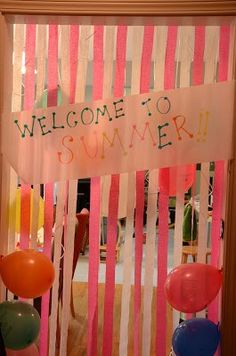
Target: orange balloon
{"points": [[27, 273]]}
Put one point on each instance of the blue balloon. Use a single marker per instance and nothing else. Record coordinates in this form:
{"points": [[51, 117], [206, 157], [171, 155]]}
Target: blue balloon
{"points": [[196, 337]]}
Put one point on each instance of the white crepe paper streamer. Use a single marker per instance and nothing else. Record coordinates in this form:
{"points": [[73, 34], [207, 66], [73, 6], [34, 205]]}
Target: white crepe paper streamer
{"points": [[149, 260], [57, 252], [136, 37]]}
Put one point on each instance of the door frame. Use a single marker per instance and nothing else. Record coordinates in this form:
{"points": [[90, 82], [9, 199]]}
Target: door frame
{"points": [[177, 11]]}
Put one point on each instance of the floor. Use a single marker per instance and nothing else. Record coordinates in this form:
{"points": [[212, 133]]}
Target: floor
{"points": [[77, 337]]}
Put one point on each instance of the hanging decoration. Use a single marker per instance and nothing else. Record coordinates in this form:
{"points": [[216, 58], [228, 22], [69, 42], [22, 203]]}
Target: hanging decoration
{"points": [[27, 273], [190, 287], [187, 175], [165, 132], [32, 350], [196, 337], [162, 129], [15, 208], [19, 324]]}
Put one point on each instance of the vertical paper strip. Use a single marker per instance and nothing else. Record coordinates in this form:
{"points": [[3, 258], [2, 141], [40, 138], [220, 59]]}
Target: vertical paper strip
{"points": [[127, 268], [159, 70], [108, 60], [107, 92], [159, 59], [56, 262], [74, 42], [210, 63], [198, 77], [184, 59], [161, 313], [211, 54], [29, 82], [136, 36], [218, 187], [110, 266], [69, 237], [16, 106], [113, 205], [40, 82], [203, 216], [95, 203], [118, 91], [6, 39], [198, 59], [35, 199], [17, 68], [139, 236], [41, 60], [69, 224], [48, 212], [149, 260], [29, 85]]}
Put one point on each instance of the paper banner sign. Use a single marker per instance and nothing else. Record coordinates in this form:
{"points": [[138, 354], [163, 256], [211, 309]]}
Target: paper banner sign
{"points": [[116, 135]]}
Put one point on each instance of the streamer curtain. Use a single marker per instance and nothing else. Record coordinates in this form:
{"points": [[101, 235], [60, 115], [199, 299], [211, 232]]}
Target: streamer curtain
{"points": [[123, 60]]}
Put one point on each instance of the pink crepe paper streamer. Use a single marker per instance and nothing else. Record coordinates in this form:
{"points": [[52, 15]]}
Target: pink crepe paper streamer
{"points": [[144, 87], [48, 212], [198, 59], [113, 207], [29, 83], [198, 75], [110, 266], [218, 187], [161, 313], [94, 218], [119, 81], [74, 42]]}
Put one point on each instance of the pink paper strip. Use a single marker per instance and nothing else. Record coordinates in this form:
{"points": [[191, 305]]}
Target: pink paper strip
{"points": [[224, 42], [29, 83], [113, 207], [218, 187], [25, 216], [110, 266], [198, 59], [198, 78], [119, 81], [95, 202], [138, 258], [163, 232], [144, 87], [74, 42], [48, 212]]}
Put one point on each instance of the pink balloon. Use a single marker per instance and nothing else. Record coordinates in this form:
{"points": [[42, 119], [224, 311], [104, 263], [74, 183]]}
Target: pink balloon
{"points": [[31, 350], [168, 182], [190, 287]]}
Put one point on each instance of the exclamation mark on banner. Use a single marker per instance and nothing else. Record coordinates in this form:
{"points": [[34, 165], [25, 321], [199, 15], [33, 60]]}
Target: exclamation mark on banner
{"points": [[203, 126]]}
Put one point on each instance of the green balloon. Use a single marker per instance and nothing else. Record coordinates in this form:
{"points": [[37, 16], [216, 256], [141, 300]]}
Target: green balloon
{"points": [[19, 323]]}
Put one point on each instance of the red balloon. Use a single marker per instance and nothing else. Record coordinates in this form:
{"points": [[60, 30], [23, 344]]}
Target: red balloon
{"points": [[27, 273], [168, 181], [29, 351], [190, 287]]}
